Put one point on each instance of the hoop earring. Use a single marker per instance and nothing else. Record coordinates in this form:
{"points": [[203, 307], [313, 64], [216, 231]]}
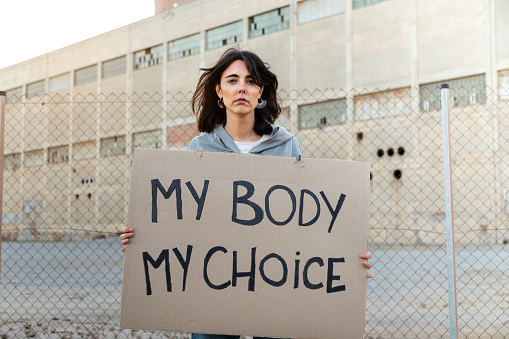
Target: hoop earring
{"points": [[261, 103], [220, 103]]}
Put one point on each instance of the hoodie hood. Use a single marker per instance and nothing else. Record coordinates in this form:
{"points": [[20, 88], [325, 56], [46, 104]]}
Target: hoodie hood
{"points": [[281, 142]]}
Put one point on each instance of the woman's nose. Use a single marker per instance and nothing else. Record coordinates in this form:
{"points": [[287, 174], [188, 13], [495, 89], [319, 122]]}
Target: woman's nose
{"points": [[242, 87]]}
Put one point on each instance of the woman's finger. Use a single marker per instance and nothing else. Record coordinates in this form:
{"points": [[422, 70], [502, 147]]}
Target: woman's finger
{"points": [[126, 236], [366, 256]]}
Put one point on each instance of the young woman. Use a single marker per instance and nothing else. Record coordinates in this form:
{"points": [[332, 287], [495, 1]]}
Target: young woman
{"points": [[236, 104]]}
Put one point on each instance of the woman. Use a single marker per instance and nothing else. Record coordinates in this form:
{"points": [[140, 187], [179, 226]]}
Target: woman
{"points": [[236, 104]]}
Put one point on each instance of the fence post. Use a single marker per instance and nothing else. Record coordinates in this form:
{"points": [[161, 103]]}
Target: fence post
{"points": [[451, 260], [2, 129]]}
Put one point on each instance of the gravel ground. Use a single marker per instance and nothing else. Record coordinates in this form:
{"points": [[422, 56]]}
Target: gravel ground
{"points": [[69, 290]]}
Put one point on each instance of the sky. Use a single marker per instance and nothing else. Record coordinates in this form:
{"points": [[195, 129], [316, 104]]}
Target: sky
{"points": [[30, 28]]}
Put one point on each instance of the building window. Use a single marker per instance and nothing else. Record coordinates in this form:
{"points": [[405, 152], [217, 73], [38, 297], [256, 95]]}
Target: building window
{"points": [[269, 22], [364, 3], [148, 57], [58, 155], [13, 95], [10, 218], [321, 114], [85, 75], [503, 85], [34, 158], [462, 91], [30, 206], [36, 89], [383, 104], [84, 151], [12, 162], [113, 146], [311, 10], [60, 82], [150, 139], [224, 35], [114, 67], [181, 48]]}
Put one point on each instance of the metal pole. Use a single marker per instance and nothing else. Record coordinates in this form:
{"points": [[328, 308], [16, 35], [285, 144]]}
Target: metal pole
{"points": [[2, 129], [451, 260]]}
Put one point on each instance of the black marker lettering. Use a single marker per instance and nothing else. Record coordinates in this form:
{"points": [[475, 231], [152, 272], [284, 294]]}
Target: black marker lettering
{"points": [[175, 186], [200, 200], [301, 208], [283, 264], [305, 278], [267, 204], [250, 273], [245, 200], [331, 277], [205, 267], [296, 274], [164, 256], [335, 212], [184, 263]]}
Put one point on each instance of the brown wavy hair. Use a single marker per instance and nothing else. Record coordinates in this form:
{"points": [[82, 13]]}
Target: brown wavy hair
{"points": [[204, 100]]}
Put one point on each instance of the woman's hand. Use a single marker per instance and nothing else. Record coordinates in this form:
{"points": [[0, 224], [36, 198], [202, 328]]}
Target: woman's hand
{"points": [[126, 234], [366, 263]]}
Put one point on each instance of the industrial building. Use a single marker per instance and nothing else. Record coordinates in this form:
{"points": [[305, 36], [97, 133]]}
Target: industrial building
{"points": [[358, 80]]}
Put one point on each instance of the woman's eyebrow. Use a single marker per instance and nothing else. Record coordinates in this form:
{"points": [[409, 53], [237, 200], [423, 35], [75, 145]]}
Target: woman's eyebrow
{"points": [[236, 76]]}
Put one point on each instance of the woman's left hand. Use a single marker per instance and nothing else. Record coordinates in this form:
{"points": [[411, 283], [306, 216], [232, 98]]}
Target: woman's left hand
{"points": [[366, 263]]}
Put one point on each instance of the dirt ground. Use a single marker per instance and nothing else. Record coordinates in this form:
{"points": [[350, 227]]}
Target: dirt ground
{"points": [[69, 290]]}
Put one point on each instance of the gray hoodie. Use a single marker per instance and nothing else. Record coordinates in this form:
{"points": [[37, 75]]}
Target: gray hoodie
{"points": [[281, 142]]}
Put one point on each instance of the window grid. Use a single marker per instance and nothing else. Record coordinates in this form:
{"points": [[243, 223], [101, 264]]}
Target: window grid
{"points": [[311, 10], [114, 67], [36, 89], [12, 162], [269, 22], [60, 82], [150, 139], [84, 150], [320, 114], [462, 91], [85, 75], [184, 47], [34, 158], [364, 3], [383, 104], [148, 57], [503, 85], [224, 35], [14, 95], [57, 155], [113, 146]]}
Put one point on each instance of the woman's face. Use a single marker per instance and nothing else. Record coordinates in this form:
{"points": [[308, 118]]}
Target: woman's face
{"points": [[238, 90]]}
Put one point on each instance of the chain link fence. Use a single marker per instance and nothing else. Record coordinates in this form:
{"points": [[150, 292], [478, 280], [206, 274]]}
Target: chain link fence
{"points": [[66, 184]]}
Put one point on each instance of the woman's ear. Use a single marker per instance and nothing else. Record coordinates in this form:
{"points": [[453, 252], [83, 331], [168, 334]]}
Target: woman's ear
{"points": [[261, 91], [218, 91]]}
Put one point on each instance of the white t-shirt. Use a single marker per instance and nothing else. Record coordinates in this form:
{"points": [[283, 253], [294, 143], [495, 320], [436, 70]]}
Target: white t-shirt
{"points": [[245, 147]]}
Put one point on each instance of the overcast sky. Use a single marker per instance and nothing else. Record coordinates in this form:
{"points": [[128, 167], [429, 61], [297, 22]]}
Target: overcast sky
{"points": [[29, 28]]}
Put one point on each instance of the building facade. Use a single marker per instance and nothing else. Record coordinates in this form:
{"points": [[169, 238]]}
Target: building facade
{"points": [[348, 69]]}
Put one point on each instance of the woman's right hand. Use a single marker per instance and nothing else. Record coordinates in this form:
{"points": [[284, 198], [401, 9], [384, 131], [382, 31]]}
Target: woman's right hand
{"points": [[126, 234]]}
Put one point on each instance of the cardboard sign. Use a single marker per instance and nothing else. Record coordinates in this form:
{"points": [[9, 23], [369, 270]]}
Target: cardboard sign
{"points": [[246, 244]]}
